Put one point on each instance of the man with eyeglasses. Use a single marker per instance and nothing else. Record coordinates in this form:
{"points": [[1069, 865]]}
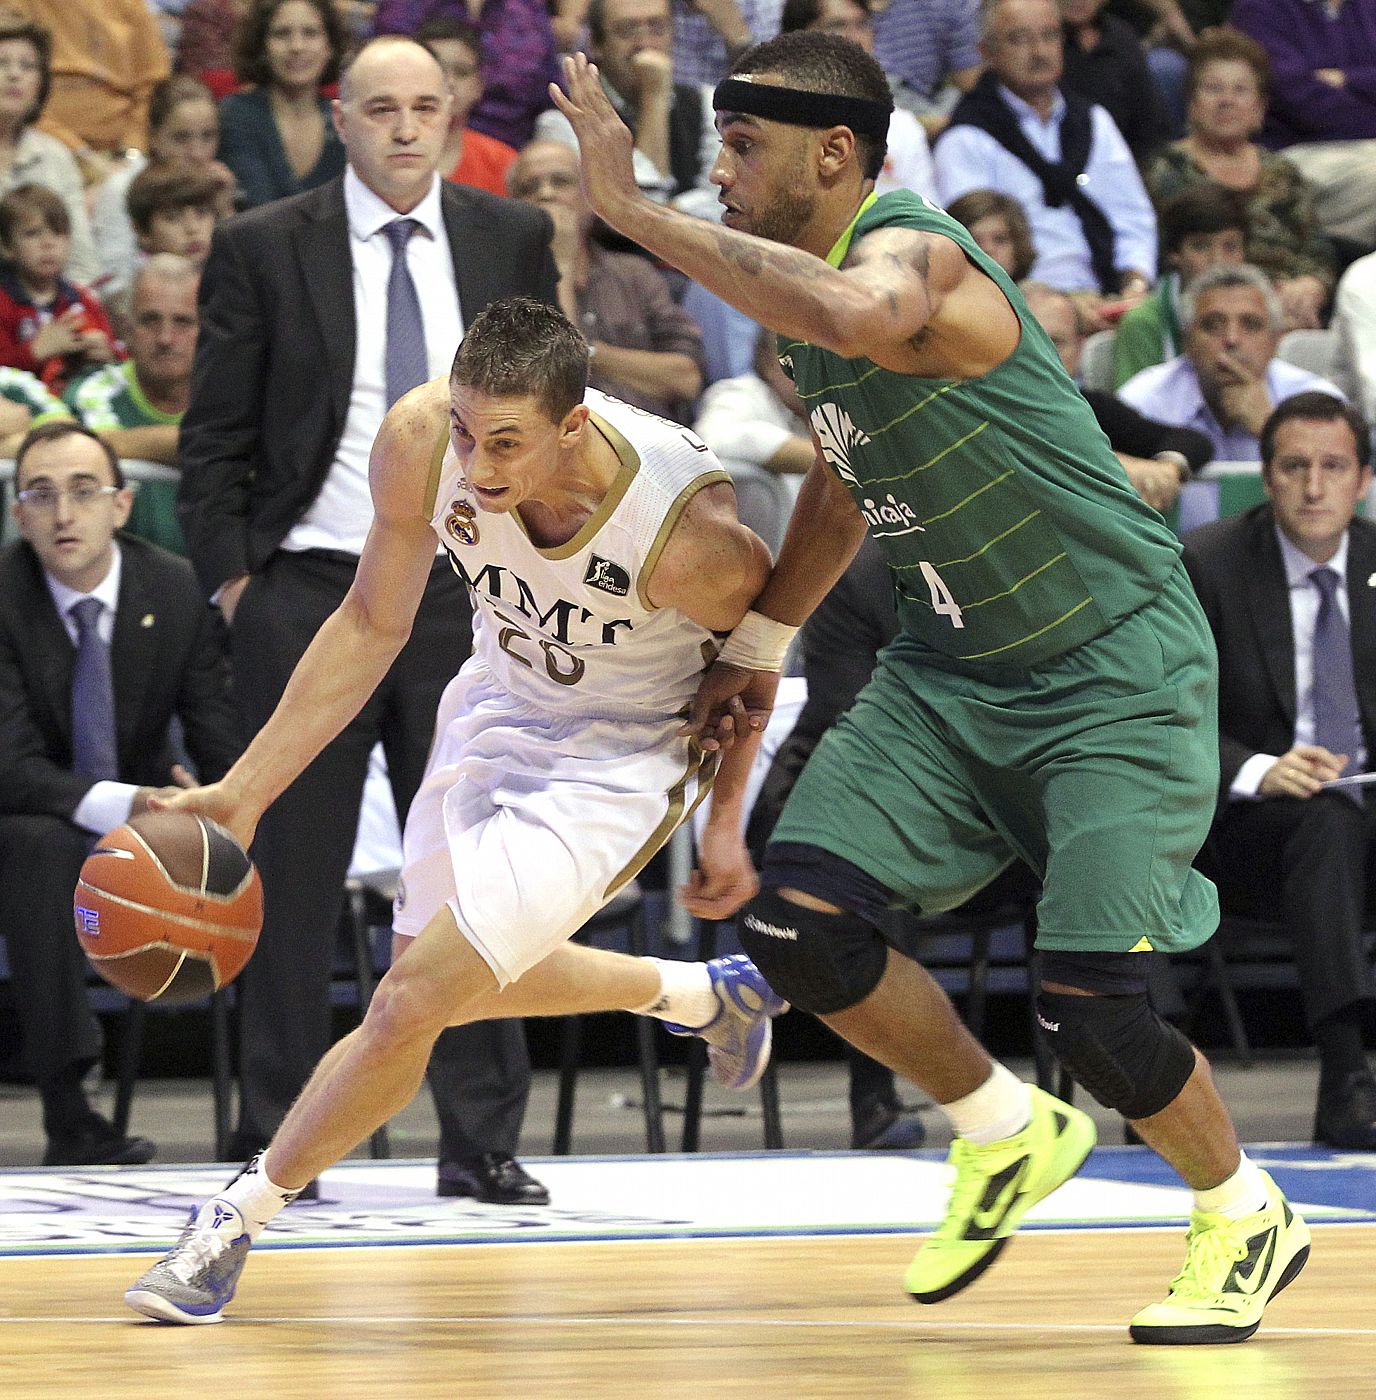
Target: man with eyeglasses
{"points": [[104, 639], [673, 122]]}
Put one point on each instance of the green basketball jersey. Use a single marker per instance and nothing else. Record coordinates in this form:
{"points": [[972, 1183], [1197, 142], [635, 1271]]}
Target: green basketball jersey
{"points": [[1010, 527]]}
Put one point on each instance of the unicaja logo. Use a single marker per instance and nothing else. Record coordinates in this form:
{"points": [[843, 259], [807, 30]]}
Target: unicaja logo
{"points": [[770, 930], [839, 438]]}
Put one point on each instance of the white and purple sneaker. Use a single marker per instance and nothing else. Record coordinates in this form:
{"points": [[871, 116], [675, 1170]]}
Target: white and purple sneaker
{"points": [[739, 1036], [194, 1280]]}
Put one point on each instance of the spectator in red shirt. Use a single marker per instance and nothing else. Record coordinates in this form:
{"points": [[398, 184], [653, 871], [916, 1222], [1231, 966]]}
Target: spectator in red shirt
{"points": [[470, 157], [48, 325]]}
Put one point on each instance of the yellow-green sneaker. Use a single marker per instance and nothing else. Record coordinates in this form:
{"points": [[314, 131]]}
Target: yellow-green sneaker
{"points": [[1233, 1268], [996, 1185]]}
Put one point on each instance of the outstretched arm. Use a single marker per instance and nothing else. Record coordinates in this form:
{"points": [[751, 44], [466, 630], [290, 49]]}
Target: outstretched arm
{"points": [[352, 651], [710, 570], [876, 306], [737, 693]]}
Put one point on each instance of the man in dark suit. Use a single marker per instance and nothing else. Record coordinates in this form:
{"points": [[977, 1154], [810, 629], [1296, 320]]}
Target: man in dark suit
{"points": [[81, 606], [318, 312], [1290, 592]]}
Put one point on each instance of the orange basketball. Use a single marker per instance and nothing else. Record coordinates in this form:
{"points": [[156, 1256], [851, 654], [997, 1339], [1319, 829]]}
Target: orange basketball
{"points": [[168, 907]]}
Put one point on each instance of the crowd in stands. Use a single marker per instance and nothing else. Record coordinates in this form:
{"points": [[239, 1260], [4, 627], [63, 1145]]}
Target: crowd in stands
{"points": [[1109, 149], [1192, 179]]}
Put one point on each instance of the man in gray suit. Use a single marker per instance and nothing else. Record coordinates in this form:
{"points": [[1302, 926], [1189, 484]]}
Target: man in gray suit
{"points": [[318, 312]]}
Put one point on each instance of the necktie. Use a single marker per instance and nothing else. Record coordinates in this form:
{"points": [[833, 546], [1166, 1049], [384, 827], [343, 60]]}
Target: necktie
{"points": [[93, 696], [1337, 718], [407, 364]]}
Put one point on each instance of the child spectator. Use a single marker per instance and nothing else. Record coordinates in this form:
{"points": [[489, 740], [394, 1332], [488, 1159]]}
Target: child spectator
{"points": [[998, 223], [48, 325], [173, 207], [183, 125], [469, 157]]}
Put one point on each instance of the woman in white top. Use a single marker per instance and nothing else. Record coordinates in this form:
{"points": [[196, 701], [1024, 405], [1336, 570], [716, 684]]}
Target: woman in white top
{"points": [[30, 156]]}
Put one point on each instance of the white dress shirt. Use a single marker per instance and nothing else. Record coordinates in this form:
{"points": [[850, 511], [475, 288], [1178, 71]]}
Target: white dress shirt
{"points": [[1171, 393], [1354, 321], [107, 803], [1304, 613], [340, 515]]}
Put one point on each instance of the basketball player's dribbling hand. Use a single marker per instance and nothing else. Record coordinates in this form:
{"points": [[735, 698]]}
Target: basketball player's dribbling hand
{"points": [[725, 876], [731, 703], [215, 801], [605, 144]]}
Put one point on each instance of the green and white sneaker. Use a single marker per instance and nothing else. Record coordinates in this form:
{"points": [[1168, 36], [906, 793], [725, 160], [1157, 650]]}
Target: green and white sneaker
{"points": [[1233, 1268], [996, 1185]]}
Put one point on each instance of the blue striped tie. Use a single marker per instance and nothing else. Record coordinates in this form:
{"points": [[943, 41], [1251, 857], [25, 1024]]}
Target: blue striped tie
{"points": [[407, 363], [93, 696], [1337, 717]]}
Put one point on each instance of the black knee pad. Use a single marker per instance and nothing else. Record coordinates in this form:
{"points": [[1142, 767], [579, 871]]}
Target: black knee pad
{"points": [[822, 963], [1118, 1048]]}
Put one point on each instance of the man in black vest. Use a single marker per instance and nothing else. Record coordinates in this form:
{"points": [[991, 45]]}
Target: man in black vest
{"points": [[1020, 132], [675, 136]]}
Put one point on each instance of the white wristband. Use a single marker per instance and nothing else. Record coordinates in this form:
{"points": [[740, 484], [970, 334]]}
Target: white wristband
{"points": [[758, 643]]}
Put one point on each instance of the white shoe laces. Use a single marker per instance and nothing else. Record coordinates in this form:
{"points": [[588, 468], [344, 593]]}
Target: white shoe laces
{"points": [[197, 1252]]}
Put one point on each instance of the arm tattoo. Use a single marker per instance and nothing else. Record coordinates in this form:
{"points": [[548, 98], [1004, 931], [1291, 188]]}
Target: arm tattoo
{"points": [[754, 260]]}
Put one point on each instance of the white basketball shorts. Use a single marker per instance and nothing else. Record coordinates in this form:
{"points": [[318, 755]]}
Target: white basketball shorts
{"points": [[528, 822]]}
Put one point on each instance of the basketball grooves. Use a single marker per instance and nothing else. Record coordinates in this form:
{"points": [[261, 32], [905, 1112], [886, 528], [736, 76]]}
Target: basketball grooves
{"points": [[201, 893]]}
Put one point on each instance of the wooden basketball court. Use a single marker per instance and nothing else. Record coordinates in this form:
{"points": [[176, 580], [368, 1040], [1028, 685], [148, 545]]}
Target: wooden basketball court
{"points": [[680, 1319]]}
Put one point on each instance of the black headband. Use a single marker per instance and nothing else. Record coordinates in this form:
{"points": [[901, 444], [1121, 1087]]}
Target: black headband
{"points": [[799, 108]]}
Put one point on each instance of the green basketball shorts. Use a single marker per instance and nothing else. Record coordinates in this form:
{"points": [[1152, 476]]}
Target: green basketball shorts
{"points": [[1099, 768]]}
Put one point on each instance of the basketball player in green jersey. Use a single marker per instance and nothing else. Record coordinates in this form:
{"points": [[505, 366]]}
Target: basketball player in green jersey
{"points": [[1051, 695]]}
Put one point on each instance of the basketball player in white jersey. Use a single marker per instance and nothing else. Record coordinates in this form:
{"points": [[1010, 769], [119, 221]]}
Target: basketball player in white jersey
{"points": [[603, 553]]}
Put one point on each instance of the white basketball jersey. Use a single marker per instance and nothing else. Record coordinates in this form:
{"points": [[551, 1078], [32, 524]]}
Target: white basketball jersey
{"points": [[571, 627]]}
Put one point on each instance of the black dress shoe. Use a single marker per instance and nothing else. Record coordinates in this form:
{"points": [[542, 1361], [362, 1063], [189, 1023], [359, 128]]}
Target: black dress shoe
{"points": [[244, 1147], [1347, 1117], [96, 1144], [493, 1177], [878, 1125]]}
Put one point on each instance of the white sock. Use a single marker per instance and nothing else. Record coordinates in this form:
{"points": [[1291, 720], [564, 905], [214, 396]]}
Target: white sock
{"points": [[256, 1198], [1244, 1193], [1000, 1107], [685, 994]]}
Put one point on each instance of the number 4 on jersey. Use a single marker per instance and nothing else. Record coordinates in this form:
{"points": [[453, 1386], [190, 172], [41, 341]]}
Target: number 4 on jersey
{"points": [[943, 604]]}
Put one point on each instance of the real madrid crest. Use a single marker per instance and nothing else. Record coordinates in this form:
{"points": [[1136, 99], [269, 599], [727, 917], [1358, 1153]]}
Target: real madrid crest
{"points": [[461, 522]]}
